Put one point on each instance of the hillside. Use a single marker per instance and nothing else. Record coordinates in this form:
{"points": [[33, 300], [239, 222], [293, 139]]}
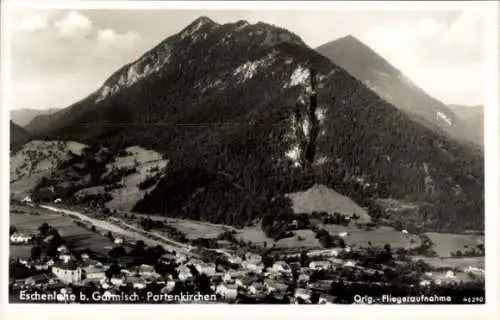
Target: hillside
{"points": [[473, 118], [36, 160], [18, 135], [219, 102], [392, 85], [23, 117], [321, 198]]}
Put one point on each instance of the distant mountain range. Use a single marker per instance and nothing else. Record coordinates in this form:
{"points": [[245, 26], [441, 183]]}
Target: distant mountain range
{"points": [[23, 117], [392, 85], [18, 135], [472, 117], [233, 109]]}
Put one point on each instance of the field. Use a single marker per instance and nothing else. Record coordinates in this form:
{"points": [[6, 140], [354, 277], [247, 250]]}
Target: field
{"points": [[445, 243], [82, 238], [198, 229], [378, 237], [302, 239], [460, 263], [321, 198]]}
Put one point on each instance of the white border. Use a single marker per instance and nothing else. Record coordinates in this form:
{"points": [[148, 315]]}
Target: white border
{"points": [[492, 133]]}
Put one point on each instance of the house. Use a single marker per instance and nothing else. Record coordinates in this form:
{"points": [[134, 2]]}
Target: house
{"points": [[252, 266], [303, 278], [205, 268], [26, 199], [58, 200], [117, 280], [94, 272], [67, 271], [303, 294], [84, 257], [65, 257], [275, 286], [326, 299], [425, 283], [350, 264], [180, 258], [320, 265], [20, 238], [184, 273], [474, 270], [404, 233], [343, 234], [227, 291], [62, 249], [39, 280], [168, 257], [136, 282], [227, 278], [22, 261], [252, 257], [126, 273], [450, 275], [169, 287], [256, 288], [43, 264], [105, 284], [146, 270], [281, 266], [234, 259], [118, 241]]}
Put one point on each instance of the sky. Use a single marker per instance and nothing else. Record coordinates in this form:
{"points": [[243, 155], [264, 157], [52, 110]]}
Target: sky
{"points": [[61, 56]]}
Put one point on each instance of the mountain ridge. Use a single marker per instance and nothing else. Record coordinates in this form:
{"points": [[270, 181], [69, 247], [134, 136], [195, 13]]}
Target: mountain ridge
{"points": [[227, 110], [391, 84]]}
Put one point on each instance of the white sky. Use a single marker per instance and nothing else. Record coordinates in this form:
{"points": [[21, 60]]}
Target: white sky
{"points": [[59, 57]]}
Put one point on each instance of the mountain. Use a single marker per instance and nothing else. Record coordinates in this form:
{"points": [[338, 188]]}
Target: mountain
{"points": [[247, 113], [473, 117], [23, 117], [392, 85], [18, 135]]}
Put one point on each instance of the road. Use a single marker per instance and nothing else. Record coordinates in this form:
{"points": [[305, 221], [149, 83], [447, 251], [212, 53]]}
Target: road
{"points": [[166, 243], [155, 234]]}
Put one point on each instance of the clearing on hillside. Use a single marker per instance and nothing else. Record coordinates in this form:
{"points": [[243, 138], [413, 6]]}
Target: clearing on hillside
{"points": [[147, 164], [38, 159], [321, 198]]}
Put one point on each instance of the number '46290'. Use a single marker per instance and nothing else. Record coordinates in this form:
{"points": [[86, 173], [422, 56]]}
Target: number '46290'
{"points": [[473, 299]]}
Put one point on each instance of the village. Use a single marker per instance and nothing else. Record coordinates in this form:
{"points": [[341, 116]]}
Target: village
{"points": [[149, 266]]}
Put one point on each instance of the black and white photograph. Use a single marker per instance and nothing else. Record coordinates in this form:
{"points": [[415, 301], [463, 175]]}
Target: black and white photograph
{"points": [[169, 155]]}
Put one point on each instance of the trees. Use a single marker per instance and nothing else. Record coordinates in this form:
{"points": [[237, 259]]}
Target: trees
{"points": [[117, 252], [44, 229], [35, 252], [112, 270], [12, 230]]}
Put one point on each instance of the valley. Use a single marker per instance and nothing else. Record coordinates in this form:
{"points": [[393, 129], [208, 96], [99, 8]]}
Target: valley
{"points": [[235, 158]]}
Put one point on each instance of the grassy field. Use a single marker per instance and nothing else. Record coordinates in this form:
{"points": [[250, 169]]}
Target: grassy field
{"points": [[378, 237], [461, 263], [321, 198], [82, 238], [445, 243], [198, 229]]}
